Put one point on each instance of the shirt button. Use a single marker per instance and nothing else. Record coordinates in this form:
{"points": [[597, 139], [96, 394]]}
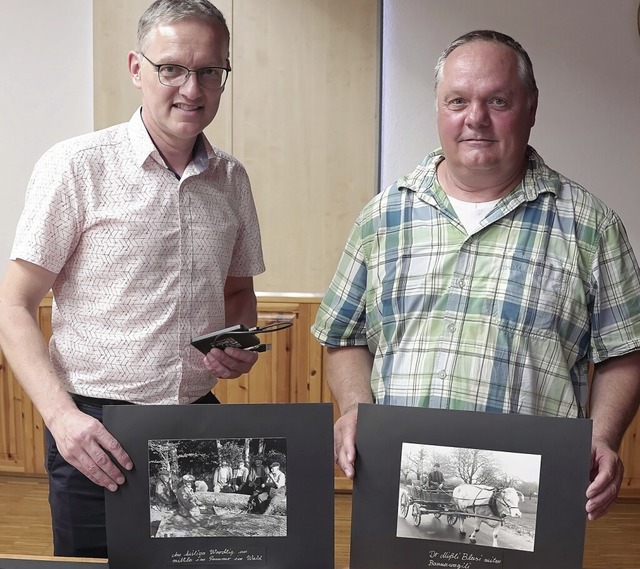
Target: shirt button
{"points": [[442, 374], [452, 328], [461, 283]]}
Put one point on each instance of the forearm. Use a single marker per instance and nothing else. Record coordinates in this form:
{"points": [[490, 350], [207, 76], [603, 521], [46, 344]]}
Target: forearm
{"points": [[240, 304], [349, 376], [27, 353], [615, 396]]}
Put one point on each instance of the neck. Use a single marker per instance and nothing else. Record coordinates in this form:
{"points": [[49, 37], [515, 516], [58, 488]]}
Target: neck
{"points": [[176, 153], [478, 192], [176, 160]]}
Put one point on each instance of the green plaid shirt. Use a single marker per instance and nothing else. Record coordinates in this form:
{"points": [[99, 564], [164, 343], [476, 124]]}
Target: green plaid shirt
{"points": [[504, 320]]}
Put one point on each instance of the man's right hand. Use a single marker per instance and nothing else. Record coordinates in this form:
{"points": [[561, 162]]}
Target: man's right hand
{"points": [[82, 442], [344, 442]]}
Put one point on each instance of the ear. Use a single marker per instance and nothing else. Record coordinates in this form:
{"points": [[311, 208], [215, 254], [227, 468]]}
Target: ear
{"points": [[135, 68], [533, 108]]}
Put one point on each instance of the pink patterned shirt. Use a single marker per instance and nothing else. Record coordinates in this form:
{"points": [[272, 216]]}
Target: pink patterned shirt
{"points": [[141, 257]]}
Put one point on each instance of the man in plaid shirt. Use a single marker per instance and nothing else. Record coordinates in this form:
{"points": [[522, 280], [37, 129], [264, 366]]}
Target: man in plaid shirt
{"points": [[486, 281]]}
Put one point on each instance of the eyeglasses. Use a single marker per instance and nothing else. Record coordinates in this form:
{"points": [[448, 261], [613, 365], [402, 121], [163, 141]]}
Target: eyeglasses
{"points": [[173, 75]]}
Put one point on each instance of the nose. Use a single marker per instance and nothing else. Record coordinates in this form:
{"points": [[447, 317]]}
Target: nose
{"points": [[477, 115], [191, 86]]}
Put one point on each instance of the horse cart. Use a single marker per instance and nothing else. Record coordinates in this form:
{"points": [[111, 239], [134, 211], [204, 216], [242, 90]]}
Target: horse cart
{"points": [[486, 504], [422, 501]]}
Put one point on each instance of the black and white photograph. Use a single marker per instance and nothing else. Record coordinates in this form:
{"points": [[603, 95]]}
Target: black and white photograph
{"points": [[481, 496], [449, 488], [223, 485], [218, 487]]}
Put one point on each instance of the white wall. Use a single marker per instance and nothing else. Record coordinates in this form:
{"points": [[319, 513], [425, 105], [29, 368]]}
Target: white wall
{"points": [[586, 57], [46, 95]]}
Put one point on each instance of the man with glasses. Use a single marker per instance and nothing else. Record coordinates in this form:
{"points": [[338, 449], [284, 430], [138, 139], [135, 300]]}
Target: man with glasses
{"points": [[148, 236]]}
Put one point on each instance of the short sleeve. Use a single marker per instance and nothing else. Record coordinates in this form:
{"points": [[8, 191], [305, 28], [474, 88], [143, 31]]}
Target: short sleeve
{"points": [[615, 318], [341, 316], [49, 227]]}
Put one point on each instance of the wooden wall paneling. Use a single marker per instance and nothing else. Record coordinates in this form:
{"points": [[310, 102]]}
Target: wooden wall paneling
{"points": [[310, 357], [291, 370], [305, 124], [21, 427], [115, 98], [269, 381], [630, 454], [11, 435]]}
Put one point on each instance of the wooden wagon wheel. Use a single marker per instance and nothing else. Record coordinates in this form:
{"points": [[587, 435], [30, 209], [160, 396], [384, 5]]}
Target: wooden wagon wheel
{"points": [[452, 519], [417, 514]]}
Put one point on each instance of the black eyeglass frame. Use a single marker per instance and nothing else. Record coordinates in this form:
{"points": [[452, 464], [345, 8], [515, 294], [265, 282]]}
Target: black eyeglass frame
{"points": [[189, 72]]}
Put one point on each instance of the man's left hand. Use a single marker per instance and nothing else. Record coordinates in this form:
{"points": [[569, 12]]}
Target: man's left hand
{"points": [[606, 477], [230, 363]]}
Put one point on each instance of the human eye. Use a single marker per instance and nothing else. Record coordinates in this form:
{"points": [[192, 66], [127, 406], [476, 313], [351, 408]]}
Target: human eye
{"points": [[456, 103], [211, 75], [170, 71], [499, 102]]}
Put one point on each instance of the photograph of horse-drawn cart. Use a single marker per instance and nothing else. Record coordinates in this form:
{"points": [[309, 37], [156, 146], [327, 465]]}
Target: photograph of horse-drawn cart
{"points": [[468, 495]]}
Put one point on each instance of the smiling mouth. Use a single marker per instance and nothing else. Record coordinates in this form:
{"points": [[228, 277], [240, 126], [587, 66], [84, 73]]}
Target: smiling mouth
{"points": [[184, 107], [477, 141]]}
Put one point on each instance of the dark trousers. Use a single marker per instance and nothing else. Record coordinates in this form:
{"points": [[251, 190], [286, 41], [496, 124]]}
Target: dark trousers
{"points": [[77, 504]]}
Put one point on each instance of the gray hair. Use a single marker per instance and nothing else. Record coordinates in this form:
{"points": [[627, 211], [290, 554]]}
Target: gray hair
{"points": [[169, 11], [525, 67]]}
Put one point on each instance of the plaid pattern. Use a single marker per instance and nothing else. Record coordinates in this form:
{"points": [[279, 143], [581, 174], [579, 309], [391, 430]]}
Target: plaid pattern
{"points": [[503, 320]]}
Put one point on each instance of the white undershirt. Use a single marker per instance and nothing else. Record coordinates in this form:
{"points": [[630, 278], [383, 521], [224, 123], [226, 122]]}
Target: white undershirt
{"points": [[471, 214]]}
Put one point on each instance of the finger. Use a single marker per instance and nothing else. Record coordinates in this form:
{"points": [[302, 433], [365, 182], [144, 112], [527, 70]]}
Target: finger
{"points": [[231, 362], [344, 448], [92, 463], [605, 470], [603, 496], [597, 509], [239, 355], [110, 444], [94, 459]]}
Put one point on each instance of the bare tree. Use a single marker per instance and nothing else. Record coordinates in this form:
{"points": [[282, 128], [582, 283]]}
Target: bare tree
{"points": [[416, 463], [474, 466]]}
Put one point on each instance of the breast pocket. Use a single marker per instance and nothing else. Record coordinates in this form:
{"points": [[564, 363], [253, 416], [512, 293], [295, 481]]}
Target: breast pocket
{"points": [[529, 295]]}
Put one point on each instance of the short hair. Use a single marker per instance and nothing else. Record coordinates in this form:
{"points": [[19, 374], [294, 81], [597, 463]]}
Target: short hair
{"points": [[436, 465], [275, 464], [525, 67], [170, 11]]}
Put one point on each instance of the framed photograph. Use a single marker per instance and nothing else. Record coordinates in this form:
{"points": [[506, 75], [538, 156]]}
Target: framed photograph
{"points": [[242, 486], [465, 490]]}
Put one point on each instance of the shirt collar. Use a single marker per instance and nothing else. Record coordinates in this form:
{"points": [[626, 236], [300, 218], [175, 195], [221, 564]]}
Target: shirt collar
{"points": [[143, 147], [539, 178]]}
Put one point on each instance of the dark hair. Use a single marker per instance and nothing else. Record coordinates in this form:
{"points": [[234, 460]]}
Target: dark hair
{"points": [[169, 11], [525, 67]]}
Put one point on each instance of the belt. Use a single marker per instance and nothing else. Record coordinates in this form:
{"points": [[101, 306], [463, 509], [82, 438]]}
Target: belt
{"points": [[209, 397]]}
